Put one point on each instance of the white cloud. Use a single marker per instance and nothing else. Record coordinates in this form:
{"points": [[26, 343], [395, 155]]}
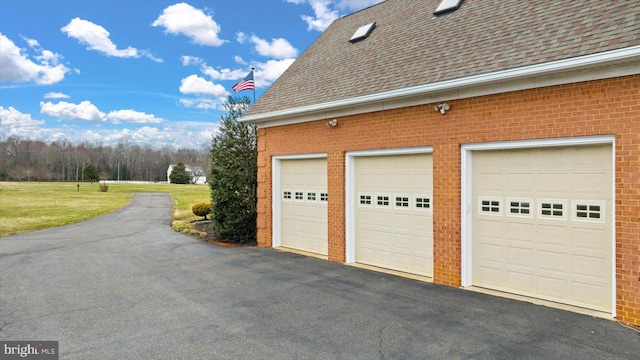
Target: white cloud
{"points": [[323, 15], [204, 103], [86, 111], [150, 56], [12, 117], [133, 117], [16, 66], [191, 60], [13, 122], [277, 48], [184, 19], [97, 38], [185, 134], [239, 60], [56, 95], [354, 5], [194, 84], [241, 37], [63, 110], [267, 72], [326, 11], [31, 42], [223, 74]]}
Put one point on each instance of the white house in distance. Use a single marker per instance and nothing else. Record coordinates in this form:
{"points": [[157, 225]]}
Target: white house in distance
{"points": [[196, 173]]}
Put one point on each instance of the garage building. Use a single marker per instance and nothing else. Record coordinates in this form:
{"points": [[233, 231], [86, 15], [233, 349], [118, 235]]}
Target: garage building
{"points": [[492, 146]]}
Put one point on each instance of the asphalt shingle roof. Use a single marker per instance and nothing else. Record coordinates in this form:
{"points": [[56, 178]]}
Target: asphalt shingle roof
{"points": [[411, 47]]}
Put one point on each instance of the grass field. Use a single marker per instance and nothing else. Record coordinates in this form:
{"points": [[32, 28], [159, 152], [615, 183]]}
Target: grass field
{"points": [[29, 206]]}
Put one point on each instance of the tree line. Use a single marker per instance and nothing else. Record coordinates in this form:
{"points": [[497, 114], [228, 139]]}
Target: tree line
{"points": [[34, 160]]}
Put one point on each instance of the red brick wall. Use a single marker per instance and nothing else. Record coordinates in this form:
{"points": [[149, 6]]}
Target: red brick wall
{"points": [[603, 107]]}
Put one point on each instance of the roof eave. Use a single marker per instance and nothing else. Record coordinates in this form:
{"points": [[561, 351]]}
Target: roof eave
{"points": [[592, 60]]}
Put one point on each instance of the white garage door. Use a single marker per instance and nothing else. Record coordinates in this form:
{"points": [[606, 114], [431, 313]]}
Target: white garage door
{"points": [[394, 212], [304, 205], [542, 223]]}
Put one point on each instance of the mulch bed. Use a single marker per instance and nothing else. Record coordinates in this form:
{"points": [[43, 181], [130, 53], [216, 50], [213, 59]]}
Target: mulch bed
{"points": [[204, 226]]}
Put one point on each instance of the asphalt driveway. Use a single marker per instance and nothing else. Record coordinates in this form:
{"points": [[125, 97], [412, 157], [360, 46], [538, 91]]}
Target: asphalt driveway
{"points": [[126, 286]]}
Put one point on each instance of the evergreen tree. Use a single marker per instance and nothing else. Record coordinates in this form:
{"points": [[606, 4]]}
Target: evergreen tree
{"points": [[179, 174], [90, 173], [234, 175]]}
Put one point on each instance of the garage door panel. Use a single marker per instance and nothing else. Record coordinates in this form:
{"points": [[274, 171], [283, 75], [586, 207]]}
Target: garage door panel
{"points": [[590, 184], [553, 184], [519, 159], [494, 182], [402, 243], [588, 266], [552, 262], [303, 217], [402, 262], [519, 281], [490, 276], [583, 293], [520, 232], [368, 183], [553, 234], [520, 182], [489, 252], [552, 158], [561, 249], [520, 257], [368, 218], [551, 288], [590, 239], [587, 157], [400, 233], [381, 182]]}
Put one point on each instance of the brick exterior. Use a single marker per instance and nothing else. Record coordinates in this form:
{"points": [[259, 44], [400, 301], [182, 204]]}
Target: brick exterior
{"points": [[602, 107]]}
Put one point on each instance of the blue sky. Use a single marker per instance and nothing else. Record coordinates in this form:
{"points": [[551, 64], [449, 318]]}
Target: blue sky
{"points": [[144, 71]]}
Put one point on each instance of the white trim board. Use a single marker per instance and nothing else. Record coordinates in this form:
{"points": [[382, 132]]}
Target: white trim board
{"points": [[350, 186], [466, 196], [615, 63], [276, 188]]}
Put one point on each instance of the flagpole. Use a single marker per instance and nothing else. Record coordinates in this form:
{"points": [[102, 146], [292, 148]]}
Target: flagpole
{"points": [[254, 84]]}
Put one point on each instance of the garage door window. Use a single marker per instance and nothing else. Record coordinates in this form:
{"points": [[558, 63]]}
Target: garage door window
{"points": [[588, 211], [324, 197], [422, 202], [552, 209], [490, 206], [286, 195], [311, 196], [402, 202], [365, 200], [383, 200], [520, 207]]}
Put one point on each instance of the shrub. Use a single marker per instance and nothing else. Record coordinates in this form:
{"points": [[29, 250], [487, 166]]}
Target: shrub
{"points": [[103, 187], [201, 209]]}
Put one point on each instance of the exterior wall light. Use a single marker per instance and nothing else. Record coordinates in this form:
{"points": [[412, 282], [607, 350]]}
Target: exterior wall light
{"points": [[442, 108], [332, 123]]}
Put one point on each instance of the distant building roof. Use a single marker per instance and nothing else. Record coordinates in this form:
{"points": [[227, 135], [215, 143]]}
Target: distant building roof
{"points": [[409, 46]]}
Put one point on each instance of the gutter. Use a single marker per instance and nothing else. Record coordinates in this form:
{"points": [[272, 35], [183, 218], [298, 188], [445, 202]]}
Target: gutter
{"points": [[599, 59]]}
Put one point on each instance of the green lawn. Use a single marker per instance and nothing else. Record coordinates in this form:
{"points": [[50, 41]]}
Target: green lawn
{"points": [[29, 206]]}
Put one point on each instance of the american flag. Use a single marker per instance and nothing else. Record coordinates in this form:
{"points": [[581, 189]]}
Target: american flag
{"points": [[245, 84]]}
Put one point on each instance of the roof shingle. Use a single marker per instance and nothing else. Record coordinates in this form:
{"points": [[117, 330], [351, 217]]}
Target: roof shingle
{"points": [[411, 47]]}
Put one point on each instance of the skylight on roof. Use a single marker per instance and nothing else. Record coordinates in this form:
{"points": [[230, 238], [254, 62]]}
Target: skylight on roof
{"points": [[447, 6], [363, 32]]}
